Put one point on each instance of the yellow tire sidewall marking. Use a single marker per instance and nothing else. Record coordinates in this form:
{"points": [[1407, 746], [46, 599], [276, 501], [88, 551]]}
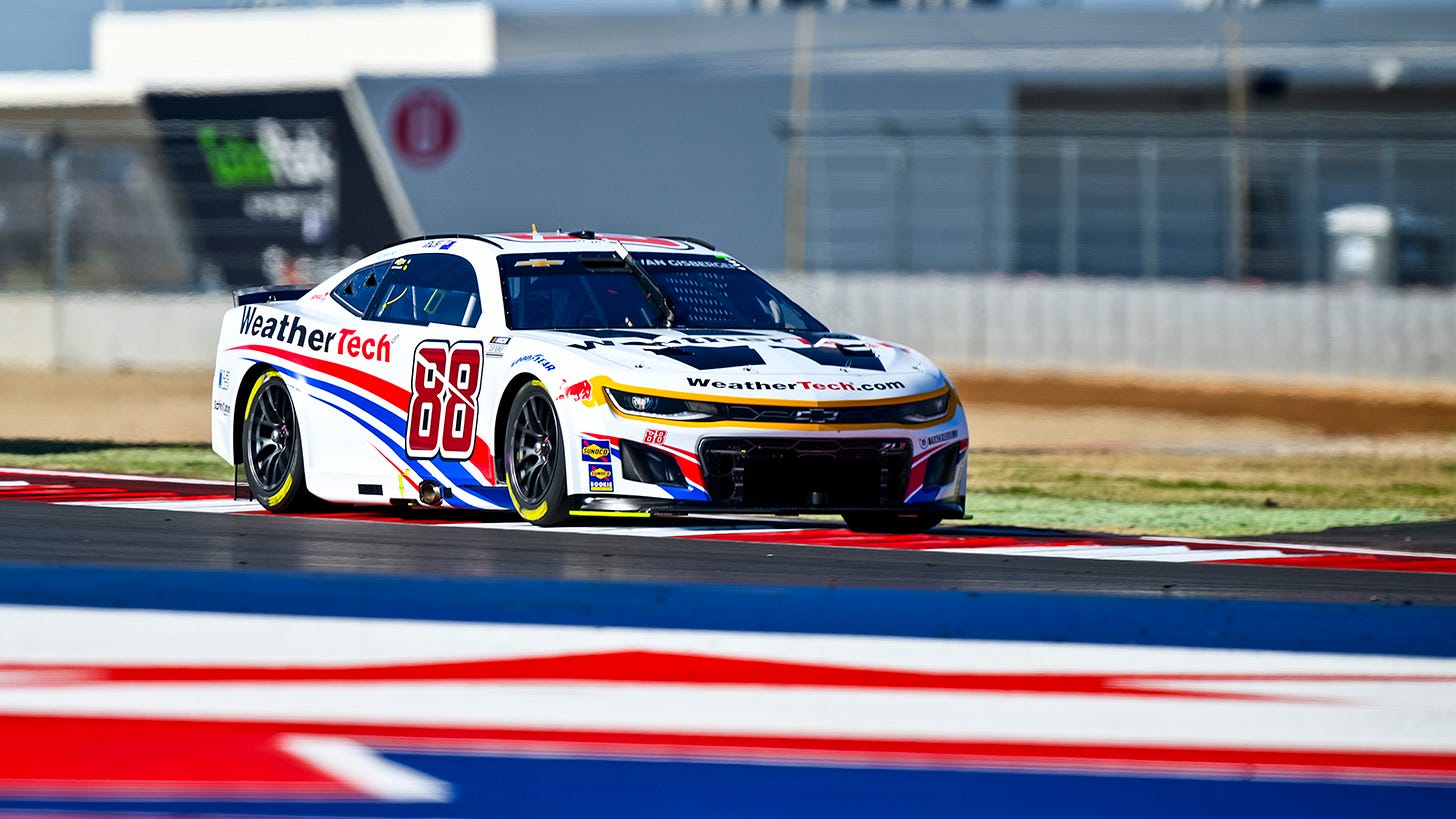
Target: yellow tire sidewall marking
{"points": [[282, 493], [535, 512]]}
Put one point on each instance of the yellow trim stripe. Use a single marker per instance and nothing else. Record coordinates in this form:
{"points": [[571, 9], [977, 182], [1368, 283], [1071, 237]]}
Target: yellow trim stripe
{"points": [[590, 514], [772, 402], [720, 399]]}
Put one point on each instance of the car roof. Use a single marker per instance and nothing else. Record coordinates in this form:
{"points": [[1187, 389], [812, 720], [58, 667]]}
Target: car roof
{"points": [[590, 240], [575, 241]]}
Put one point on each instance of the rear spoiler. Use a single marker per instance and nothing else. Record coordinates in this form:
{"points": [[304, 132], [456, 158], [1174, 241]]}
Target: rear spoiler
{"points": [[270, 292]]}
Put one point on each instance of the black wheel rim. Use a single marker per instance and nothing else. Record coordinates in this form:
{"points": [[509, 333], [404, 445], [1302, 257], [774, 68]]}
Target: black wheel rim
{"points": [[533, 450], [272, 436]]}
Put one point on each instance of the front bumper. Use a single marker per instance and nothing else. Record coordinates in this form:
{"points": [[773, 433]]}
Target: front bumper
{"points": [[625, 505]]}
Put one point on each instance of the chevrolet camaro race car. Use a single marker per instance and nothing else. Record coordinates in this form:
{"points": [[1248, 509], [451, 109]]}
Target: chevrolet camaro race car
{"points": [[578, 374]]}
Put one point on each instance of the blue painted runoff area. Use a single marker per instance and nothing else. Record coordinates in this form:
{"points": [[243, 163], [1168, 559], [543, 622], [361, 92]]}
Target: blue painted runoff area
{"points": [[1360, 628], [485, 786]]}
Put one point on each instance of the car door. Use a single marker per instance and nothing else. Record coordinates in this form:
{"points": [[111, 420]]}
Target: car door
{"points": [[426, 311]]}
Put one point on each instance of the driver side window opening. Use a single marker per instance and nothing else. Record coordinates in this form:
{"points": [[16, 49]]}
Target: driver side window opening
{"points": [[356, 291], [427, 288]]}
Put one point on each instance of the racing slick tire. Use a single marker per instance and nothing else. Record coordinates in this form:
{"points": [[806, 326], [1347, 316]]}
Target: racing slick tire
{"points": [[273, 447], [535, 461], [890, 523]]}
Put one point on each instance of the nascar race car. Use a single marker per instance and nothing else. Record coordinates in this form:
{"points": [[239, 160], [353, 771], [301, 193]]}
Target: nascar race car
{"points": [[578, 374]]}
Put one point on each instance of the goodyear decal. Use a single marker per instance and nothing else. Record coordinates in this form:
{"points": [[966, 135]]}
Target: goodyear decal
{"points": [[599, 478], [596, 451]]}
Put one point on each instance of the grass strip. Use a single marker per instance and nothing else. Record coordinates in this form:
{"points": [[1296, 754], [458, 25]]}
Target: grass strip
{"points": [[172, 460], [1127, 492]]}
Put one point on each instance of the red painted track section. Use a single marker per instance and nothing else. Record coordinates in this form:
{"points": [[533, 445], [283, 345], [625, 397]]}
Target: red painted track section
{"points": [[208, 496]]}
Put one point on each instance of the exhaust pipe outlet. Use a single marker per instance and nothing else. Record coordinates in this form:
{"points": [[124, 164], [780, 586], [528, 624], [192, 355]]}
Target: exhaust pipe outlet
{"points": [[431, 493]]}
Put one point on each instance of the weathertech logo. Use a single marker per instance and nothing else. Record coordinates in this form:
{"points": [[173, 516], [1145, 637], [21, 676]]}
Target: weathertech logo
{"points": [[781, 386], [290, 329]]}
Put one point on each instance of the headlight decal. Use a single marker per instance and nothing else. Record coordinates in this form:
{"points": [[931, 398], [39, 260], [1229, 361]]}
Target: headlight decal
{"points": [[659, 406], [691, 410]]}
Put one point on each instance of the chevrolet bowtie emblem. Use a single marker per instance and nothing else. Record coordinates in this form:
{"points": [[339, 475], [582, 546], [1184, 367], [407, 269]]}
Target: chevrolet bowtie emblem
{"points": [[817, 415]]}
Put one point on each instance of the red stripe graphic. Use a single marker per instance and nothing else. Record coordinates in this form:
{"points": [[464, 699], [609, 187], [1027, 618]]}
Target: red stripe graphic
{"points": [[394, 396], [181, 758], [697, 669]]}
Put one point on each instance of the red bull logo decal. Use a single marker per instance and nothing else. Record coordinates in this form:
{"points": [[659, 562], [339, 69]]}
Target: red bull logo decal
{"points": [[599, 479], [596, 451], [580, 391]]}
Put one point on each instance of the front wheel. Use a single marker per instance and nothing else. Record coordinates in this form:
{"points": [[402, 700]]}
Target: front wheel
{"points": [[891, 523], [535, 463], [273, 448]]}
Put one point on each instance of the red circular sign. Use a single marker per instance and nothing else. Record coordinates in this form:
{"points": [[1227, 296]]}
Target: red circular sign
{"points": [[424, 128]]}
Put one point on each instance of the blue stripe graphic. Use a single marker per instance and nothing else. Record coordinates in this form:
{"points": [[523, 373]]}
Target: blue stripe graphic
{"points": [[1352, 628], [536, 787], [450, 473]]}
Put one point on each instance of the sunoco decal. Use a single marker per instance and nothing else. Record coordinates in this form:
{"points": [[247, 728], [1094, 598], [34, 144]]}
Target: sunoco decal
{"points": [[599, 478], [596, 451]]}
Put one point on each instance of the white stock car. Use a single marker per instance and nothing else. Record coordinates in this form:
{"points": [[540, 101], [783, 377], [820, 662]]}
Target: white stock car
{"points": [[578, 374]]}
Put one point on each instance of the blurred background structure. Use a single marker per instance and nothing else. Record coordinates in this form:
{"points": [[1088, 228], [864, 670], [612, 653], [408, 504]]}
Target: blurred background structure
{"points": [[1264, 188]]}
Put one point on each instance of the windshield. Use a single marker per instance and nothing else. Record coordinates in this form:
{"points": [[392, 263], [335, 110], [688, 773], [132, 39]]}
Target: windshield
{"points": [[564, 291]]}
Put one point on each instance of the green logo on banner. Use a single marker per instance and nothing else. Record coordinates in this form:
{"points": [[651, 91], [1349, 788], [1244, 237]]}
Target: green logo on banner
{"points": [[232, 160]]}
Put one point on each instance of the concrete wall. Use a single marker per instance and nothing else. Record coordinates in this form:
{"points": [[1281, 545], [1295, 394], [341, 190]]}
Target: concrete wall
{"points": [[682, 151], [1005, 323]]}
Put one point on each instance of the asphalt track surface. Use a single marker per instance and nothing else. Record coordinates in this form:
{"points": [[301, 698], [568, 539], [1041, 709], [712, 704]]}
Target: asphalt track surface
{"points": [[81, 535], [367, 663], [1433, 537]]}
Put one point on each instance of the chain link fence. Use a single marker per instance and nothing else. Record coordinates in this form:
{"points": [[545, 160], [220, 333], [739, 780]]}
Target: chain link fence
{"points": [[85, 206], [1279, 199], [186, 206]]}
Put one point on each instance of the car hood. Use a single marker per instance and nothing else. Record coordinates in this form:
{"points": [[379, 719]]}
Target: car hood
{"points": [[728, 351]]}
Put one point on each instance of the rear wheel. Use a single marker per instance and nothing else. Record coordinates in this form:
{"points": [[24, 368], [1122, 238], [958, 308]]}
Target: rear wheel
{"points": [[535, 463], [891, 523], [272, 447]]}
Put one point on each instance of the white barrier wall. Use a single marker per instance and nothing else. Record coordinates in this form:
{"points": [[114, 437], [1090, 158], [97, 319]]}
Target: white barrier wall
{"points": [[1022, 323], [964, 321], [90, 331]]}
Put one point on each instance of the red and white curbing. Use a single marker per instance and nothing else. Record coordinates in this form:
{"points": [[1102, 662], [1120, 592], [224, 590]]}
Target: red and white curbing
{"points": [[189, 495]]}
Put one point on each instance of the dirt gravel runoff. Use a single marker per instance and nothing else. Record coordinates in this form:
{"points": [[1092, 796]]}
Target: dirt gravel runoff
{"points": [[1005, 411]]}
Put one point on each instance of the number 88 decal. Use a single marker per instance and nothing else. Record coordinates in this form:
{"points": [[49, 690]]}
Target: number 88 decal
{"points": [[442, 410]]}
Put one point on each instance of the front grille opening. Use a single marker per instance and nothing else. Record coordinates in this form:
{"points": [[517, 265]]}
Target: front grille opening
{"points": [[647, 465], [806, 472], [940, 469]]}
